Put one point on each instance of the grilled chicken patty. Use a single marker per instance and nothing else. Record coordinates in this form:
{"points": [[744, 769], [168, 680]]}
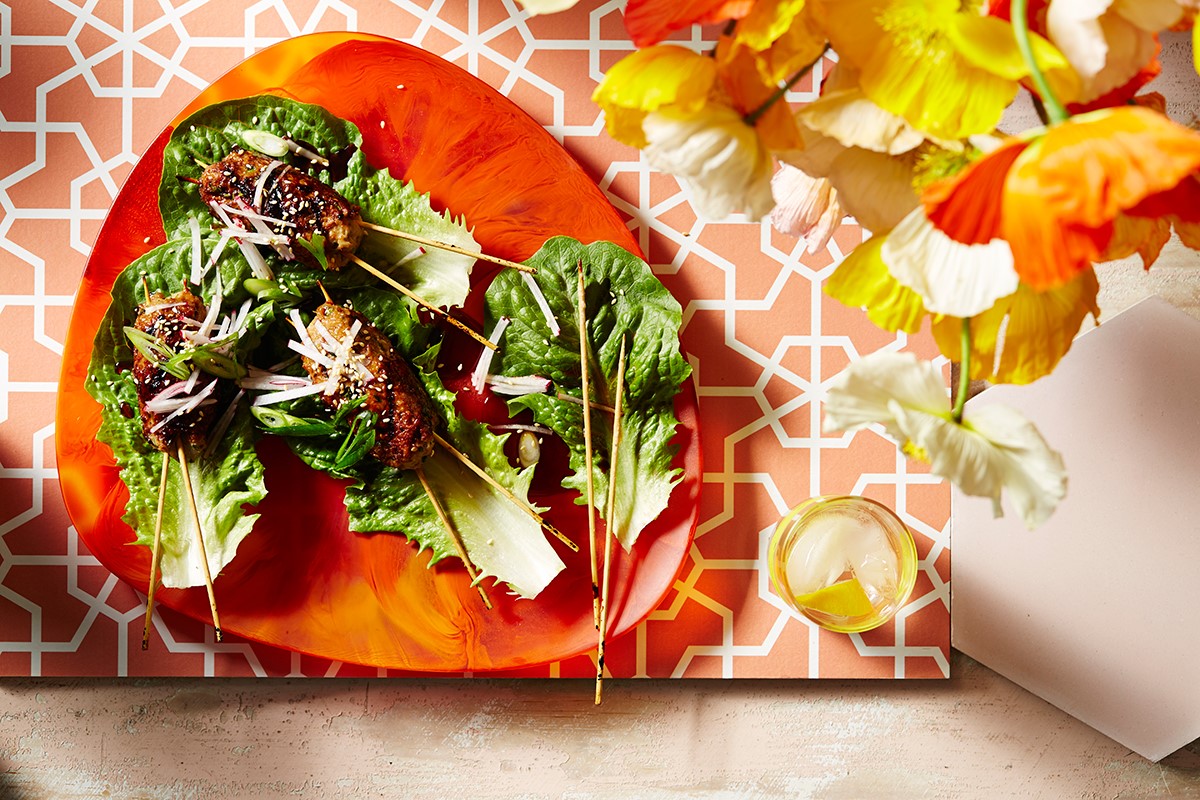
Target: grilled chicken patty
{"points": [[405, 427], [165, 319], [289, 195]]}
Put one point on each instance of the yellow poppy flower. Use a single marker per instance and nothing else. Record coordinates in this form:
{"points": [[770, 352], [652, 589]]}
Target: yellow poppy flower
{"points": [[940, 64], [781, 35], [659, 78]]}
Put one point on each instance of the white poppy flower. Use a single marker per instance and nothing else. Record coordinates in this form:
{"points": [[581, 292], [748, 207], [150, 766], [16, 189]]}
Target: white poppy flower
{"points": [[806, 207], [994, 449], [718, 155], [957, 279], [1107, 41], [535, 7]]}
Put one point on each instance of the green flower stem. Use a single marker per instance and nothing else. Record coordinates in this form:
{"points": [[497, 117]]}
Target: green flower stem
{"points": [[964, 371], [753, 117], [1020, 22]]}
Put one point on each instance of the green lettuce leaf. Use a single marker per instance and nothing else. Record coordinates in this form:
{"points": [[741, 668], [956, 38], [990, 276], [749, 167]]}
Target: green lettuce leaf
{"points": [[440, 277], [502, 541], [223, 480], [623, 298]]}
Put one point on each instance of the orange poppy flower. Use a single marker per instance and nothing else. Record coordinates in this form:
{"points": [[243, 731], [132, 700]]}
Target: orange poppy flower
{"points": [[1056, 198], [650, 21]]}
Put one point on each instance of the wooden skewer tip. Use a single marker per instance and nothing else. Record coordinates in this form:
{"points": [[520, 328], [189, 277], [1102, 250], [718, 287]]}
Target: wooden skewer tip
{"points": [[208, 580], [155, 552], [504, 490], [472, 573]]}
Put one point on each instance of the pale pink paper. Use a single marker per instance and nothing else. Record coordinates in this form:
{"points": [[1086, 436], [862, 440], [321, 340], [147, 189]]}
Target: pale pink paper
{"points": [[1097, 610]]}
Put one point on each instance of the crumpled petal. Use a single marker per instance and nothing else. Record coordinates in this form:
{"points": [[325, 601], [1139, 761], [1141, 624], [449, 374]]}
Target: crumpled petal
{"points": [[875, 188], [863, 394], [843, 112], [862, 281], [650, 21], [718, 155], [782, 37], [1145, 236], [1024, 336], [952, 278], [805, 206], [1108, 41]]}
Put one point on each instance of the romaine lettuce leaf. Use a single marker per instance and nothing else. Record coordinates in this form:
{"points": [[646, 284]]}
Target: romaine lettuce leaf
{"points": [[440, 277], [223, 481], [623, 298], [501, 540]]}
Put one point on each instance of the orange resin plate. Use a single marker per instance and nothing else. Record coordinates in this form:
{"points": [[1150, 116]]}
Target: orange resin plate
{"points": [[301, 580]]}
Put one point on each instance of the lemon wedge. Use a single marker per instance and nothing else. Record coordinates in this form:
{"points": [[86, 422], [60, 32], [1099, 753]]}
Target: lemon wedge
{"points": [[842, 599]]}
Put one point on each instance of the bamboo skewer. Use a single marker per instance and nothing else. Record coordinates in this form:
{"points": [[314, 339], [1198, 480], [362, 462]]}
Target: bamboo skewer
{"points": [[453, 248], [504, 490], [155, 552], [458, 542], [587, 447], [610, 516], [208, 581], [390, 281]]}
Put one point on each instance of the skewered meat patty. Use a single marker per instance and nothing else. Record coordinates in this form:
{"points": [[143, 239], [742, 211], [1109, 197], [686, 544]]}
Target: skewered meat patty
{"points": [[370, 366], [165, 318], [289, 195]]}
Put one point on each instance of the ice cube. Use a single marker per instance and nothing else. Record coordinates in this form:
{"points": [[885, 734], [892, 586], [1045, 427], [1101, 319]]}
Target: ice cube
{"points": [[818, 559], [874, 562]]}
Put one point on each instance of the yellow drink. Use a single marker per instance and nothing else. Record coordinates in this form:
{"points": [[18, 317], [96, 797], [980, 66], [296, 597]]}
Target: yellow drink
{"points": [[846, 563]]}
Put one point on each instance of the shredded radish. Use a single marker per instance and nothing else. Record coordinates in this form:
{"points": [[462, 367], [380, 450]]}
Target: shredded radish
{"points": [[262, 379], [304, 152], [485, 358], [301, 331], [310, 353], [161, 307], [288, 394], [258, 265], [341, 356], [420, 251], [222, 424], [261, 227], [214, 309], [197, 252], [194, 402], [219, 210], [155, 403], [519, 386], [261, 184], [516, 426], [254, 236], [238, 322], [541, 302], [330, 341], [252, 215], [216, 254], [190, 383]]}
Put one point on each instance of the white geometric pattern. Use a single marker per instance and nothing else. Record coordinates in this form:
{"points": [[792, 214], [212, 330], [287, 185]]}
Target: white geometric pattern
{"points": [[83, 91]]}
